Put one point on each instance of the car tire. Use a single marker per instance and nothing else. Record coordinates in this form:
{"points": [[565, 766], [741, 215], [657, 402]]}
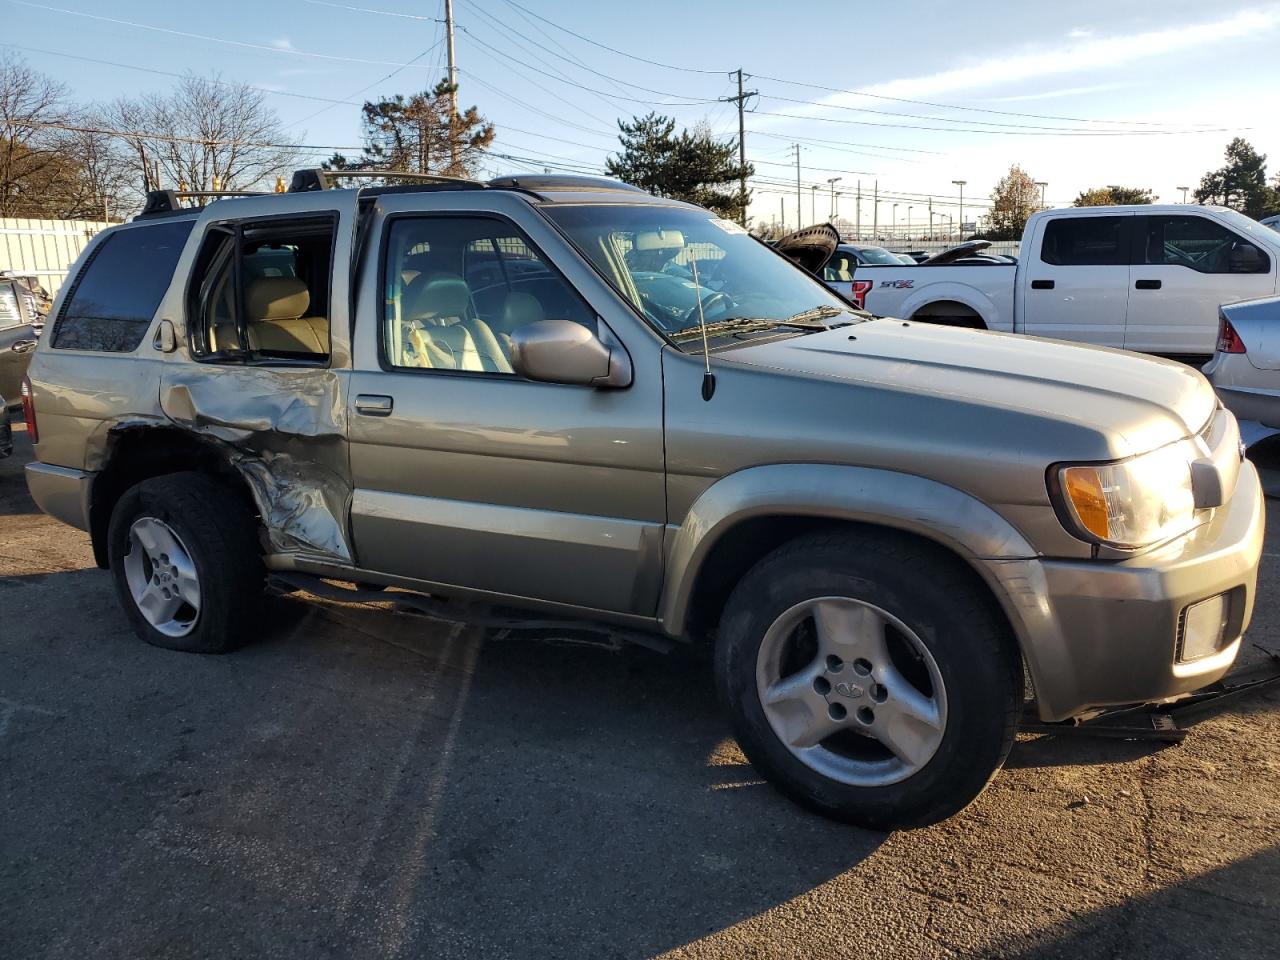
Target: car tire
{"points": [[186, 563], [832, 634]]}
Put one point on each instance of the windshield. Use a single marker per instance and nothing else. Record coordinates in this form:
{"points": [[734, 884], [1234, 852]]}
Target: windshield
{"points": [[877, 255], [652, 254]]}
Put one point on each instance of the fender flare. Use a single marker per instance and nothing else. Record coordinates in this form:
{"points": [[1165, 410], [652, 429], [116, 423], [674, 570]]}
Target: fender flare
{"points": [[950, 517]]}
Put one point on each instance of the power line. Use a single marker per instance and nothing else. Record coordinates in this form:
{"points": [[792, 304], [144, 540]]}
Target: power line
{"points": [[288, 51], [1010, 133], [385, 13], [169, 138]]}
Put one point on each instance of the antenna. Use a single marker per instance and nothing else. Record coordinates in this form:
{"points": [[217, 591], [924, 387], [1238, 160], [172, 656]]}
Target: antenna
{"points": [[708, 378]]}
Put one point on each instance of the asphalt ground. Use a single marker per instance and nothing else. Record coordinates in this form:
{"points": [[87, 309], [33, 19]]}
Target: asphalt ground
{"points": [[361, 783]]}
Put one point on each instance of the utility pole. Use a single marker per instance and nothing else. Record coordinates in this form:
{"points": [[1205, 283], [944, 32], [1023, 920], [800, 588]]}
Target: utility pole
{"points": [[858, 216], [741, 101], [960, 184], [799, 212], [1041, 184], [832, 183], [782, 212], [453, 83]]}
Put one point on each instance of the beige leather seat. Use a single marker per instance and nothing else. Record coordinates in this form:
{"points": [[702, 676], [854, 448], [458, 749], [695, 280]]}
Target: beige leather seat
{"points": [[277, 318], [443, 335]]}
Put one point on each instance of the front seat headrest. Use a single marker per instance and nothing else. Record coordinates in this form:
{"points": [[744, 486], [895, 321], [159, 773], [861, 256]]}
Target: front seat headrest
{"points": [[440, 298], [277, 298], [519, 309]]}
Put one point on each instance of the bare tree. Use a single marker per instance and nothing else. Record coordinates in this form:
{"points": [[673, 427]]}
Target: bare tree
{"points": [[205, 135], [31, 109]]}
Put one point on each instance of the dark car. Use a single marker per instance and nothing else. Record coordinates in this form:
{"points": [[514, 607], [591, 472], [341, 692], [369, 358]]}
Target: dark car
{"points": [[18, 337]]}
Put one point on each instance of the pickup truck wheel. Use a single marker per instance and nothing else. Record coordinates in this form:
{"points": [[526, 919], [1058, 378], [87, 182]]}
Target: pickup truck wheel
{"points": [[185, 563], [869, 678]]}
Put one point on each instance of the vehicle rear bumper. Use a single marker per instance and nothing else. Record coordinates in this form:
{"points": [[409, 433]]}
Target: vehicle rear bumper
{"points": [[61, 492], [1097, 633]]}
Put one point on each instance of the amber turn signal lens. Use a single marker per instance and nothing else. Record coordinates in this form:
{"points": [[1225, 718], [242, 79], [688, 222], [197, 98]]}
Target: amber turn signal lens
{"points": [[1084, 490]]}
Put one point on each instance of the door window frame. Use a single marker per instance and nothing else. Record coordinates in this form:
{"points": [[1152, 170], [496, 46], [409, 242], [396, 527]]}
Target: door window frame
{"points": [[1125, 244], [1139, 243], [193, 300], [389, 221]]}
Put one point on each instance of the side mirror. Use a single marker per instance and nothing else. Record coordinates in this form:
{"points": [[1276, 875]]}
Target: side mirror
{"points": [[1246, 258], [561, 351]]}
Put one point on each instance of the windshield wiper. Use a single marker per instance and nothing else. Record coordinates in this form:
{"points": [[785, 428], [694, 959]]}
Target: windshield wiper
{"points": [[805, 320]]}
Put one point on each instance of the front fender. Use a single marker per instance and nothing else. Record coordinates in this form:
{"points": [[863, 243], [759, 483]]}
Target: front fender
{"points": [[925, 507]]}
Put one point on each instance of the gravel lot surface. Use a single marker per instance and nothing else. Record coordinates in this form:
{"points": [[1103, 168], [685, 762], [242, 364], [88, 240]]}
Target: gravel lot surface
{"points": [[358, 783]]}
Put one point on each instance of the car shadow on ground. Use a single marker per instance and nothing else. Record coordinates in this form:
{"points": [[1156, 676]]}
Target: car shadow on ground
{"points": [[355, 782]]}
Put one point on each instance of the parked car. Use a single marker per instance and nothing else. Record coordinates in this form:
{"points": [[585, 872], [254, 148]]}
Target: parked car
{"points": [[880, 526], [1146, 278], [18, 336], [1245, 369], [838, 270], [33, 293]]}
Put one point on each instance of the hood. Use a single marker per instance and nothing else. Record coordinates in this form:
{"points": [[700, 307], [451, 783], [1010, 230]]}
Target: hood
{"points": [[811, 247], [1135, 403], [952, 254]]}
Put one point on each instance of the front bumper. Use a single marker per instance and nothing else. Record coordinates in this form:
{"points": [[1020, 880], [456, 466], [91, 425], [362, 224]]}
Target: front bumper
{"points": [[61, 492], [1097, 633]]}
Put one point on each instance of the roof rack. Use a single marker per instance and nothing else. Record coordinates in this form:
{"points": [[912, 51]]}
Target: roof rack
{"points": [[160, 202], [537, 182], [320, 179]]}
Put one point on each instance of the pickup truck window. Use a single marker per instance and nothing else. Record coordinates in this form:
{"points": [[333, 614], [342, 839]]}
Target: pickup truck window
{"points": [[456, 287], [260, 292], [1085, 242], [115, 297], [1199, 244]]}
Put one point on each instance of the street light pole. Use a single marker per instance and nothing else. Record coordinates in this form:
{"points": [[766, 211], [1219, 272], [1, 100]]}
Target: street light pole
{"points": [[909, 209], [1184, 192], [893, 224], [960, 184], [1042, 184], [832, 183], [813, 204]]}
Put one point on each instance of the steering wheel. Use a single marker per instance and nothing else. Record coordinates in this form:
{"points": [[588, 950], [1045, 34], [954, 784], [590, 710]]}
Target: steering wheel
{"points": [[717, 298]]}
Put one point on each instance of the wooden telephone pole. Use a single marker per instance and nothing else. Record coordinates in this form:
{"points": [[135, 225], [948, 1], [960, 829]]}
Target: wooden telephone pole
{"points": [[741, 101]]}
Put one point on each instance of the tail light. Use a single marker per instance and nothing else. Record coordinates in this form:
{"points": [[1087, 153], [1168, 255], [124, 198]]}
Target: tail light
{"points": [[860, 288], [1228, 340], [29, 410]]}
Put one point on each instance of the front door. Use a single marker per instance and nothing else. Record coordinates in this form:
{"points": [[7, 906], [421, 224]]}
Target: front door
{"points": [[1075, 282], [469, 476], [1184, 268]]}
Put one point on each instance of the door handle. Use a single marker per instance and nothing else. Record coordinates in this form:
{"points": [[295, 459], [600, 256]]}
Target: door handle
{"points": [[1146, 285], [23, 346], [373, 405], [1041, 284]]}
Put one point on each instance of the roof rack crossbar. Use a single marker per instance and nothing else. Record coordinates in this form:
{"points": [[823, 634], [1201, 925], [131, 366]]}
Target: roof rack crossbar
{"points": [[321, 179], [168, 201]]}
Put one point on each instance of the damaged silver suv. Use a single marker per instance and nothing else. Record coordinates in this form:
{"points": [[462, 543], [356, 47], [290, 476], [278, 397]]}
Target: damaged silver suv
{"points": [[564, 395]]}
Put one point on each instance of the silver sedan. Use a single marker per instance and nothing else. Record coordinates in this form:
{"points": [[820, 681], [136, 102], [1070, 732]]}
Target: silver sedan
{"points": [[1245, 369]]}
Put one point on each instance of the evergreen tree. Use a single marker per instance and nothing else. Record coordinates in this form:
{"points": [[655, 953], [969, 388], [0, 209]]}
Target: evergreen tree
{"points": [[1241, 183]]}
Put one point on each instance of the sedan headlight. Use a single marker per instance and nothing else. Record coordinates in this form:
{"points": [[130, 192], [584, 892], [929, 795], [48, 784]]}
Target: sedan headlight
{"points": [[1132, 503]]}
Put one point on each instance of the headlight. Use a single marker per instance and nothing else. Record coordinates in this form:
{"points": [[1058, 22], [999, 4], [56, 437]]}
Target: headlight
{"points": [[1133, 503]]}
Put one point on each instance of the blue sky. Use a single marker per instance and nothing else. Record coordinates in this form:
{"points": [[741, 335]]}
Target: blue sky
{"points": [[1168, 84]]}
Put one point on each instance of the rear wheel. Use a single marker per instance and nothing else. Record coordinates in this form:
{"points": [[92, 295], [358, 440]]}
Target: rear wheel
{"points": [[185, 563], [868, 678]]}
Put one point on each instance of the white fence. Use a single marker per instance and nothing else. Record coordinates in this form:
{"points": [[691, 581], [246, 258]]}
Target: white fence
{"points": [[45, 247]]}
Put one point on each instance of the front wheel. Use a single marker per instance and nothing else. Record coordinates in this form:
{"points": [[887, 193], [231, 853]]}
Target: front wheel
{"points": [[869, 678]]}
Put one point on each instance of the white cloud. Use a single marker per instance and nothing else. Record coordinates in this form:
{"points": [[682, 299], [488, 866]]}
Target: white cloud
{"points": [[284, 43], [1084, 55], [1080, 33], [1065, 92]]}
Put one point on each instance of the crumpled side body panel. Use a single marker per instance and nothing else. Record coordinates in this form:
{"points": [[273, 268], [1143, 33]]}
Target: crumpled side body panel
{"points": [[287, 434]]}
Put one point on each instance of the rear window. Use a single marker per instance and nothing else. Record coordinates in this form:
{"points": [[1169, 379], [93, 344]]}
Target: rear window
{"points": [[1085, 242], [115, 297]]}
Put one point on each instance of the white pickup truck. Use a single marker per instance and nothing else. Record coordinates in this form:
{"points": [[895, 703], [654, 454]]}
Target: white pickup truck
{"points": [[1146, 278]]}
